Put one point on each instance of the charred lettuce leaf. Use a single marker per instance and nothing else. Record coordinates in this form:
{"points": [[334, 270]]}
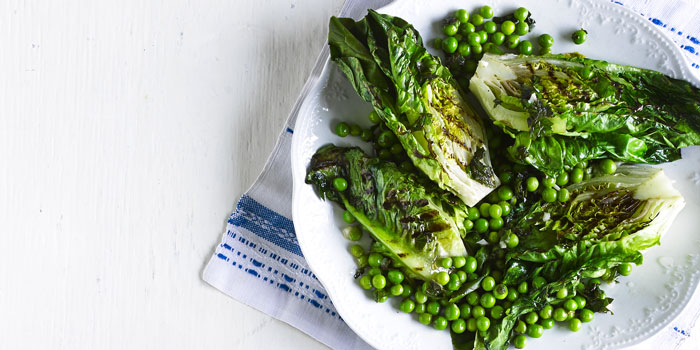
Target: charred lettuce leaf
{"points": [[418, 99], [609, 220], [563, 109], [416, 221]]}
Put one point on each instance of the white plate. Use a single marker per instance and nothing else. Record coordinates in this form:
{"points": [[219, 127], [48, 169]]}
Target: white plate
{"points": [[645, 302]]}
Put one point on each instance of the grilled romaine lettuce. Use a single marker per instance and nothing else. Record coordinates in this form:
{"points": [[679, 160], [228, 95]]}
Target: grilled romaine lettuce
{"points": [[563, 109], [608, 221], [415, 220], [418, 99]]}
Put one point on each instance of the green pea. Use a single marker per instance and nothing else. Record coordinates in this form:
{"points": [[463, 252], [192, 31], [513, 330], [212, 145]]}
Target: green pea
{"points": [[465, 310], [366, 282], [490, 27], [471, 265], [425, 318], [549, 181], [512, 241], [355, 130], [512, 41], [522, 288], [458, 326], [483, 323], [512, 294], [505, 206], [348, 217], [486, 11], [519, 341], [433, 308], [396, 149], [407, 306], [525, 47], [570, 304], [374, 271], [356, 250], [384, 154], [563, 195], [580, 302], [342, 129], [477, 49], [340, 184], [396, 290], [395, 276], [473, 214], [498, 38], [478, 311], [484, 209], [495, 210], [532, 184], [549, 195], [471, 324], [500, 291], [505, 176], [466, 28], [386, 139], [474, 39], [487, 300], [624, 269], [353, 233], [481, 225], [459, 261], [374, 117], [449, 44], [531, 317], [545, 51], [522, 28], [462, 276], [366, 135], [450, 29], [362, 260], [442, 278], [546, 312], [476, 19], [586, 315], [420, 297], [483, 36], [451, 312], [535, 331], [607, 166], [375, 259], [563, 178], [520, 327], [378, 281], [576, 175], [468, 225], [574, 324], [488, 283], [521, 14], [464, 49], [407, 291], [497, 312], [446, 262], [454, 282], [559, 314], [507, 27], [579, 36], [548, 323], [505, 193], [538, 282], [545, 40], [562, 293]]}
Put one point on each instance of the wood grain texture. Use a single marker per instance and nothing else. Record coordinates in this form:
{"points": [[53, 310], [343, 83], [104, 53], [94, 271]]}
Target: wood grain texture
{"points": [[128, 129]]}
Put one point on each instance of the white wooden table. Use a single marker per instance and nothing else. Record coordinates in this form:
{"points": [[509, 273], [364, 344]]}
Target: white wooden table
{"points": [[128, 129]]}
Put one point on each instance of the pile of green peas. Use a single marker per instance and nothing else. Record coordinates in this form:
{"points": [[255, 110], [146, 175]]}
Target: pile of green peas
{"points": [[386, 145]]}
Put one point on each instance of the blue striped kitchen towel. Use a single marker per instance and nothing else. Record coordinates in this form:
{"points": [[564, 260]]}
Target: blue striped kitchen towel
{"points": [[259, 262]]}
